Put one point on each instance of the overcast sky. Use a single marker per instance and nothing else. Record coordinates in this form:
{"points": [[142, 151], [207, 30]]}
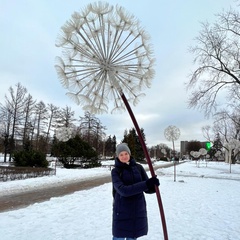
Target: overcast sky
{"points": [[28, 34]]}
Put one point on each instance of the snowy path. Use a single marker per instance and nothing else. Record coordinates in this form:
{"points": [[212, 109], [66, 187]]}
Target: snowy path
{"points": [[15, 200], [196, 208], [26, 198]]}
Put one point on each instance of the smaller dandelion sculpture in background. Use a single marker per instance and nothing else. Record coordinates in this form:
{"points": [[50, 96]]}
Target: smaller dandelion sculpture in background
{"points": [[106, 63], [172, 133], [64, 134]]}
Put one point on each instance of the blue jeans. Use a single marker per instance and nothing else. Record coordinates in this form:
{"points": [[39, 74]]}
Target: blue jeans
{"points": [[115, 238]]}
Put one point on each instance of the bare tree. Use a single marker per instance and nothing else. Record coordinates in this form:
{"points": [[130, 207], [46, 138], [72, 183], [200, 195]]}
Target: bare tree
{"points": [[217, 54], [27, 122], [16, 104], [92, 130], [52, 118], [86, 126], [227, 127], [5, 123], [66, 117], [41, 115]]}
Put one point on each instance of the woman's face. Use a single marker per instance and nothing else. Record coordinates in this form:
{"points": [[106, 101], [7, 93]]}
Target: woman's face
{"points": [[124, 157]]}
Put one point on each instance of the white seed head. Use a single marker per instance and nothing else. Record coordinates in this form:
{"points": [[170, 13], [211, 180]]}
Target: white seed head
{"points": [[105, 53]]}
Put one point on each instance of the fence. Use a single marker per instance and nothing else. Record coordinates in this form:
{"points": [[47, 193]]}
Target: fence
{"points": [[17, 173]]}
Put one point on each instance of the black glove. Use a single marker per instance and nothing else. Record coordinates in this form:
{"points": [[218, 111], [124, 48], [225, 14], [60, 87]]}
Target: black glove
{"points": [[152, 182]]}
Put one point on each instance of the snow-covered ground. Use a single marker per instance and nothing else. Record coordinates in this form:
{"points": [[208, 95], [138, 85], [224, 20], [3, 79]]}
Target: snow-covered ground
{"points": [[202, 204]]}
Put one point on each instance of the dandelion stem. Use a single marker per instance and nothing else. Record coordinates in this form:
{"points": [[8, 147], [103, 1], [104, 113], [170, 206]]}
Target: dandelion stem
{"points": [[149, 164]]}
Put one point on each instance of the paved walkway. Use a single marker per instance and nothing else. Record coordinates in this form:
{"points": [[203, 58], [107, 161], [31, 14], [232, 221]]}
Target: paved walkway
{"points": [[24, 199]]}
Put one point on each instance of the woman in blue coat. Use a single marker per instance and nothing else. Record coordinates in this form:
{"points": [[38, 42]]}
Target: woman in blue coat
{"points": [[130, 181]]}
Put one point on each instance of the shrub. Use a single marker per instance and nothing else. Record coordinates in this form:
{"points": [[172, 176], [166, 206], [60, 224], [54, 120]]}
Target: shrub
{"points": [[30, 158], [163, 159], [75, 150]]}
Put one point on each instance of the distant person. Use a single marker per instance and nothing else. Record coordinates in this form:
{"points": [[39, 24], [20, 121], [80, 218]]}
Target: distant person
{"points": [[130, 181]]}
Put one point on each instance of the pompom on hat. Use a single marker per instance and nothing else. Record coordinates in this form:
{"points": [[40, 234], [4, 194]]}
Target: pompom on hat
{"points": [[121, 148]]}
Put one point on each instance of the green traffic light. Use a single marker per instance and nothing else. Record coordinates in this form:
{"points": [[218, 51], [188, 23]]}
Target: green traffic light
{"points": [[208, 146]]}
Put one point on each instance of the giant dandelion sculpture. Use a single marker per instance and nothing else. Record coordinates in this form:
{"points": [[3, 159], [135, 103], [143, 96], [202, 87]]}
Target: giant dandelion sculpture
{"points": [[106, 63]]}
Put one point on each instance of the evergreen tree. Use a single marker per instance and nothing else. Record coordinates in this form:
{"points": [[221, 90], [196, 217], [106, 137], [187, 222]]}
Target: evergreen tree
{"points": [[216, 147], [75, 149], [110, 146], [132, 139]]}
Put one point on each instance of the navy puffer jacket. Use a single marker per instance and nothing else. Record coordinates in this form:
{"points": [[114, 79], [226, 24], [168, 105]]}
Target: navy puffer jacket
{"points": [[129, 206]]}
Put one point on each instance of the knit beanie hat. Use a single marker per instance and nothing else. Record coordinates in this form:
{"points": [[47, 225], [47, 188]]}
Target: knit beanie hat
{"points": [[122, 147]]}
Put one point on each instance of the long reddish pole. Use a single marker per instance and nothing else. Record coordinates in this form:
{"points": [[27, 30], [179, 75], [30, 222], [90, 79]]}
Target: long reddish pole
{"points": [[164, 226]]}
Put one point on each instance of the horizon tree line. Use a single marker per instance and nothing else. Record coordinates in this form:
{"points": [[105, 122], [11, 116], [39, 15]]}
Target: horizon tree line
{"points": [[23, 119]]}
